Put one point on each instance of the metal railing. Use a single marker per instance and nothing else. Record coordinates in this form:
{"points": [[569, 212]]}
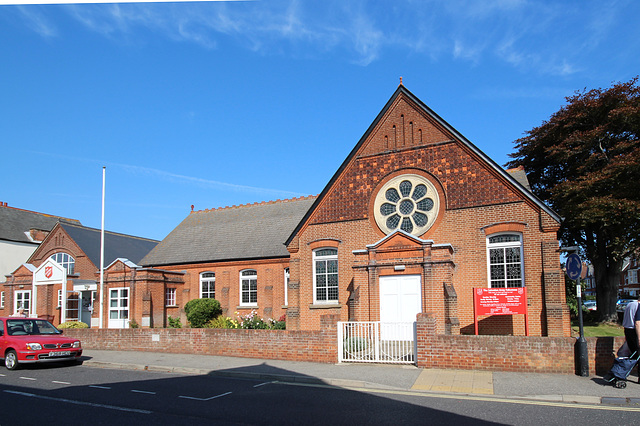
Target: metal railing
{"points": [[375, 341]]}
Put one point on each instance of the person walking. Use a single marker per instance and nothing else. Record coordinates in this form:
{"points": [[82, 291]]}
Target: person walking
{"points": [[631, 324]]}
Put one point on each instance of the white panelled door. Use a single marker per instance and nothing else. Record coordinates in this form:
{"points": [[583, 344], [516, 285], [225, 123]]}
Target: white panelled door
{"points": [[400, 301]]}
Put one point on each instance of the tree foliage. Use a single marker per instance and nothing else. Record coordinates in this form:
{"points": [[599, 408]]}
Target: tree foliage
{"points": [[585, 163]]}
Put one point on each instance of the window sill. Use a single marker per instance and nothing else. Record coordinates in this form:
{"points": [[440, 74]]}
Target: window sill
{"points": [[247, 307], [171, 306], [325, 306]]}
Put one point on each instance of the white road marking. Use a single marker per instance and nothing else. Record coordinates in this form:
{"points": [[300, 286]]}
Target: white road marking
{"points": [[262, 384], [141, 391], [71, 401], [60, 383], [99, 387], [28, 378], [205, 399]]}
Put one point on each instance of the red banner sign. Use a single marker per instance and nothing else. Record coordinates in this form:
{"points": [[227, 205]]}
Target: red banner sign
{"points": [[500, 301]]}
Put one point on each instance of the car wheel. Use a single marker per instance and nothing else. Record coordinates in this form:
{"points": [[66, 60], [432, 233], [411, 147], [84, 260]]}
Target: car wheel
{"points": [[11, 360]]}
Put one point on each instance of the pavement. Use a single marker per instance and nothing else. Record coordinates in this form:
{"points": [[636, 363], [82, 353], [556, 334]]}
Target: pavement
{"points": [[527, 386]]}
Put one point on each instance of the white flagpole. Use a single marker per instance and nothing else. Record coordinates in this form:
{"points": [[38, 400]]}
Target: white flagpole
{"points": [[102, 254]]}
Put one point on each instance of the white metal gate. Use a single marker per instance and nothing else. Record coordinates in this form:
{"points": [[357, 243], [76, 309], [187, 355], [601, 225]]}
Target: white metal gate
{"points": [[375, 341]]}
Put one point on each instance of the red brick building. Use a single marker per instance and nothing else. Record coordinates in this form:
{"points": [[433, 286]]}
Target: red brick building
{"points": [[414, 219], [69, 258]]}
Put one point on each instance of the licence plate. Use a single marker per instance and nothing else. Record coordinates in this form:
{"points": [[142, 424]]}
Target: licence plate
{"points": [[60, 353]]}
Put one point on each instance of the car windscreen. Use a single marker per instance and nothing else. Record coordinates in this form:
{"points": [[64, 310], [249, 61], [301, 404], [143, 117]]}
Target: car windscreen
{"points": [[22, 327]]}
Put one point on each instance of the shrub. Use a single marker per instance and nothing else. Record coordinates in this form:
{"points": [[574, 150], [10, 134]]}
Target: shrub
{"points": [[356, 344], [252, 321], [201, 311], [133, 324], [73, 324], [222, 322], [174, 322]]}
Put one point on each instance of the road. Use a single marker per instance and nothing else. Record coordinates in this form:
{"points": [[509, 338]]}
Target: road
{"points": [[36, 394]]}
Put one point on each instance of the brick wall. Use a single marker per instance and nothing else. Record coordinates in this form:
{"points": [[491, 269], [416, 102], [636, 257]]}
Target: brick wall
{"points": [[509, 353], [313, 346], [494, 353]]}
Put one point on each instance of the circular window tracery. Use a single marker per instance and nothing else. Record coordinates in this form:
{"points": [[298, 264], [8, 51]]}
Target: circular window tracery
{"points": [[408, 202]]}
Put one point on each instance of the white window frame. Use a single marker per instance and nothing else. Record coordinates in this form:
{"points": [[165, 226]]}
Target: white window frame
{"points": [[65, 260], [170, 296], [121, 309], [246, 277], [2, 299], [209, 280], [19, 300], [321, 257], [505, 246], [286, 286], [59, 298]]}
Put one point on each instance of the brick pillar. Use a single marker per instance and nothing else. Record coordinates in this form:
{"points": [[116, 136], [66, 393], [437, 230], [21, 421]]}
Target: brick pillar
{"points": [[426, 330], [557, 312], [329, 328], [268, 302], [147, 308], [374, 294], [224, 301], [293, 310], [451, 321]]}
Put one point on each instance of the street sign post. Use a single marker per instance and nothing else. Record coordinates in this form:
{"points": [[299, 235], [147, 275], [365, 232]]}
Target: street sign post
{"points": [[574, 270]]}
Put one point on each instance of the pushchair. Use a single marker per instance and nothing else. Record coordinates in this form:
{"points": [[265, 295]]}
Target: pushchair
{"points": [[621, 369]]}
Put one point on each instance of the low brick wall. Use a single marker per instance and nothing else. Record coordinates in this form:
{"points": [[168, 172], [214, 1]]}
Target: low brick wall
{"points": [[509, 353], [315, 346], [495, 353]]}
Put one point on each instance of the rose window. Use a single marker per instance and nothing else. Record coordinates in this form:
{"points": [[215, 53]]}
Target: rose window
{"points": [[407, 202]]}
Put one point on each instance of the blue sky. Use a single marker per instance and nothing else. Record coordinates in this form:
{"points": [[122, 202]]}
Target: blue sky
{"points": [[225, 103]]}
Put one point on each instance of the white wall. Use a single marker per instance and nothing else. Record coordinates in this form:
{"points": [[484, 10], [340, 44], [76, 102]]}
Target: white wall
{"points": [[12, 255]]}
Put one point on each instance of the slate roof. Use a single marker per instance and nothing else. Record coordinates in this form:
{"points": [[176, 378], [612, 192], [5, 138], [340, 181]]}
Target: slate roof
{"points": [[115, 245], [15, 222], [519, 175], [250, 231]]}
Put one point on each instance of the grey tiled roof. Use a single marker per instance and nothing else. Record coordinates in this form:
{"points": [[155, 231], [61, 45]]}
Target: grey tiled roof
{"points": [[241, 232], [115, 245], [520, 175], [15, 222]]}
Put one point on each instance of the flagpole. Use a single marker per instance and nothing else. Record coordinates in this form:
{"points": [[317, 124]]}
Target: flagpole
{"points": [[102, 253]]}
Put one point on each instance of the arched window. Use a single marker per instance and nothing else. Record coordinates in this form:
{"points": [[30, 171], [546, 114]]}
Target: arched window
{"points": [[65, 260], [506, 267], [249, 288], [325, 275], [208, 285]]}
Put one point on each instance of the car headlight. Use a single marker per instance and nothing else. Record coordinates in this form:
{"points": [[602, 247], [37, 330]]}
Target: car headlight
{"points": [[76, 344], [34, 346]]}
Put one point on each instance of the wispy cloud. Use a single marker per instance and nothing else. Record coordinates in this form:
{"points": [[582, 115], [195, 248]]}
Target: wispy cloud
{"points": [[178, 178], [208, 183], [37, 21], [550, 38]]}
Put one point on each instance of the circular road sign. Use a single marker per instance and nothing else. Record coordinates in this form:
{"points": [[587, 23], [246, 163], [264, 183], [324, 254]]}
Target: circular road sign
{"points": [[574, 266]]}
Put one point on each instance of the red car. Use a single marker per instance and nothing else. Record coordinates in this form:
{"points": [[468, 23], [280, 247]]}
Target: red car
{"points": [[31, 340]]}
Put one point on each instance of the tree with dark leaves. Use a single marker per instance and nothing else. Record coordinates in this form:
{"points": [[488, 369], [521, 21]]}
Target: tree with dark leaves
{"points": [[584, 162]]}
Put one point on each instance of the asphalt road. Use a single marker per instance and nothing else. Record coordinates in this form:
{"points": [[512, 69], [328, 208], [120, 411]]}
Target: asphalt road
{"points": [[84, 395]]}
